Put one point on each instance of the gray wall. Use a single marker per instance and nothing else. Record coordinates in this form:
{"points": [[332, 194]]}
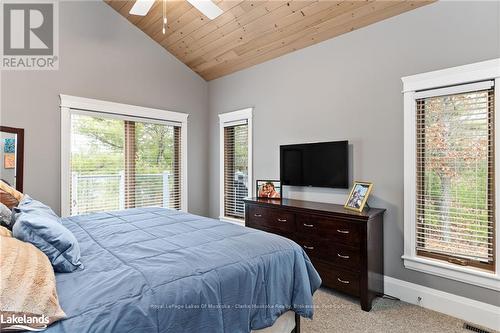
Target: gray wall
{"points": [[102, 56], [350, 88]]}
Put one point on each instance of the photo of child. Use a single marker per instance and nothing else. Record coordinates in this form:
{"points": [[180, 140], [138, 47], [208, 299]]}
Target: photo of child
{"points": [[268, 189]]}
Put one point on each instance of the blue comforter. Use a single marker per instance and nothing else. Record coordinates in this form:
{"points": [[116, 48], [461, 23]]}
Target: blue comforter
{"points": [[159, 270]]}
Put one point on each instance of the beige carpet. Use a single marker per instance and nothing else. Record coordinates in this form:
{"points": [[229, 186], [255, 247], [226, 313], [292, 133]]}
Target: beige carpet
{"points": [[338, 313]]}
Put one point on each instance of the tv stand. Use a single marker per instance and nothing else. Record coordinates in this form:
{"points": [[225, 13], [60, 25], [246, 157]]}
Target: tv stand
{"points": [[345, 247]]}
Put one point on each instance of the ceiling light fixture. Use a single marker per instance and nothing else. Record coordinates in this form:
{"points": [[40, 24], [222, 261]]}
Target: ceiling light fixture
{"points": [[207, 7], [164, 21], [141, 7]]}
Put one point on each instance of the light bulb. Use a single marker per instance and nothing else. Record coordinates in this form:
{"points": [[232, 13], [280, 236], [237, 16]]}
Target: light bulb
{"points": [[164, 28]]}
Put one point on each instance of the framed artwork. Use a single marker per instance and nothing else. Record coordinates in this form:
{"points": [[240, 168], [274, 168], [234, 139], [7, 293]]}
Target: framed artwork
{"points": [[268, 189], [358, 196], [9, 145], [9, 161]]}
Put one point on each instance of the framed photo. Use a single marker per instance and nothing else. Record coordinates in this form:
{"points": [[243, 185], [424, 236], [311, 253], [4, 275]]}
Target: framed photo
{"points": [[9, 161], [358, 196], [9, 145], [268, 189]]}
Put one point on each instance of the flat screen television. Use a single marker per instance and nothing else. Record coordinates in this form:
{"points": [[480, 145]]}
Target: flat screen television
{"points": [[323, 164]]}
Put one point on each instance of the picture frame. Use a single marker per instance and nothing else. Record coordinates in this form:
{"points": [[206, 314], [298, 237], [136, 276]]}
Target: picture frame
{"points": [[9, 161], [269, 189], [358, 196], [9, 145]]}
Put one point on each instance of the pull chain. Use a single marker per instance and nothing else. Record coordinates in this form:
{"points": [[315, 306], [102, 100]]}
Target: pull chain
{"points": [[164, 28]]}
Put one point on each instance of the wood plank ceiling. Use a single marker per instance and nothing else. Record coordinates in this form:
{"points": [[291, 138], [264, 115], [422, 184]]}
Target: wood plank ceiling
{"points": [[250, 32]]}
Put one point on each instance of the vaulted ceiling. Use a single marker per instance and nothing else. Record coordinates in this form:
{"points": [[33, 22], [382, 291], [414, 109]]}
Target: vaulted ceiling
{"points": [[251, 32]]}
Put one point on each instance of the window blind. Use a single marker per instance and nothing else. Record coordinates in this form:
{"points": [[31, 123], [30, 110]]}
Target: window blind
{"points": [[455, 178], [123, 163], [235, 169]]}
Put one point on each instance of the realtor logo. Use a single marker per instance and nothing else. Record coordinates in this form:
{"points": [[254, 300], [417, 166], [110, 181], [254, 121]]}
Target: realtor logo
{"points": [[29, 35]]}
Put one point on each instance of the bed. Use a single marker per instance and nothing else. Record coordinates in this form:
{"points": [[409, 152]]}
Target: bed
{"points": [[160, 270]]}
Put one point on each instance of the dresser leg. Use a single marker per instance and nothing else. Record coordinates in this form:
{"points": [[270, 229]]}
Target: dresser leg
{"points": [[366, 302], [366, 307]]}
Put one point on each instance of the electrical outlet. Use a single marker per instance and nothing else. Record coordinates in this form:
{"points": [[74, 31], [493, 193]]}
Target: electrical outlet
{"points": [[419, 300]]}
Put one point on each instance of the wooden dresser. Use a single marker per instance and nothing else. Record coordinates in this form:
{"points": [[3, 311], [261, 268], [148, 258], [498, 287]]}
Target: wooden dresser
{"points": [[345, 247]]}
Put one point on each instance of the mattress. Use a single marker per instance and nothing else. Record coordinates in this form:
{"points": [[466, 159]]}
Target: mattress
{"points": [[160, 270]]}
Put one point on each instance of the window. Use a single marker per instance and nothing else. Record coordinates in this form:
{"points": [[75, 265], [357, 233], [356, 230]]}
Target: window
{"points": [[450, 201], [236, 177], [117, 161], [455, 168]]}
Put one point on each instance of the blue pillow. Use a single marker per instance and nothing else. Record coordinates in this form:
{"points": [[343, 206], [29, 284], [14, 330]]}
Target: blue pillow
{"points": [[37, 224]]}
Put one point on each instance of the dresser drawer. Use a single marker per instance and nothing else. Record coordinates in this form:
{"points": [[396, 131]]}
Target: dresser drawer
{"points": [[345, 256], [337, 254], [315, 247], [271, 219], [333, 229], [338, 279]]}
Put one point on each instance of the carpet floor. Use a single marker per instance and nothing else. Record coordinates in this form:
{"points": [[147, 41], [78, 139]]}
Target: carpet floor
{"points": [[338, 313]]}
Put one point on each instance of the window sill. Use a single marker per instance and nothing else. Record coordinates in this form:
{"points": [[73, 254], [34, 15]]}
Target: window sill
{"points": [[232, 220], [468, 275]]}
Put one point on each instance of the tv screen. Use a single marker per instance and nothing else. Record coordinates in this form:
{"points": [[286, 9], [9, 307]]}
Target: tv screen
{"points": [[323, 164]]}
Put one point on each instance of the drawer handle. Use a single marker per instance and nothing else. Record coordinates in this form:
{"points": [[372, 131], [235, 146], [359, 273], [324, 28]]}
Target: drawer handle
{"points": [[343, 281], [341, 256], [343, 231], [308, 247], [309, 225], [281, 220], [257, 215]]}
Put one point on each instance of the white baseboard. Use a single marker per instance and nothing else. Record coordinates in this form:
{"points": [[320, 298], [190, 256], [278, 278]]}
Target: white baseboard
{"points": [[469, 310]]}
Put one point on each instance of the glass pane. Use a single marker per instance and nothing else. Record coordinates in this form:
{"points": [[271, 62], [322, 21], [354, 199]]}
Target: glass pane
{"points": [[97, 159], [119, 164], [157, 181], [454, 206], [236, 170]]}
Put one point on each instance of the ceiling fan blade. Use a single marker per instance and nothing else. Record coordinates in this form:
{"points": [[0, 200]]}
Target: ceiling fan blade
{"points": [[142, 7], [207, 7]]}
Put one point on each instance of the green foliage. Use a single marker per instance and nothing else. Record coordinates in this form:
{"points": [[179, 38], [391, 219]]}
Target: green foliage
{"points": [[155, 148], [98, 161], [104, 141]]}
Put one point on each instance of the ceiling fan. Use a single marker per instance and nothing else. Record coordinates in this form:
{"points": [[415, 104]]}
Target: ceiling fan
{"points": [[207, 7]]}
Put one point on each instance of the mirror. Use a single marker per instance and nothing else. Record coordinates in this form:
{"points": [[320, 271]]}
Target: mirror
{"points": [[12, 156]]}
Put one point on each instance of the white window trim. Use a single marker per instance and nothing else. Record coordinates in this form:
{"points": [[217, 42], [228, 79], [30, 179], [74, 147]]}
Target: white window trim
{"points": [[229, 119], [73, 104], [482, 71]]}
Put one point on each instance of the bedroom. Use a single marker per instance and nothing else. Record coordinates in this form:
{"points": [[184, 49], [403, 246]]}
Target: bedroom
{"points": [[342, 85]]}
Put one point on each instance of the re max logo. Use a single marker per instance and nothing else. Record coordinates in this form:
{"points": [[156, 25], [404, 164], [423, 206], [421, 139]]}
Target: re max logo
{"points": [[28, 29]]}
